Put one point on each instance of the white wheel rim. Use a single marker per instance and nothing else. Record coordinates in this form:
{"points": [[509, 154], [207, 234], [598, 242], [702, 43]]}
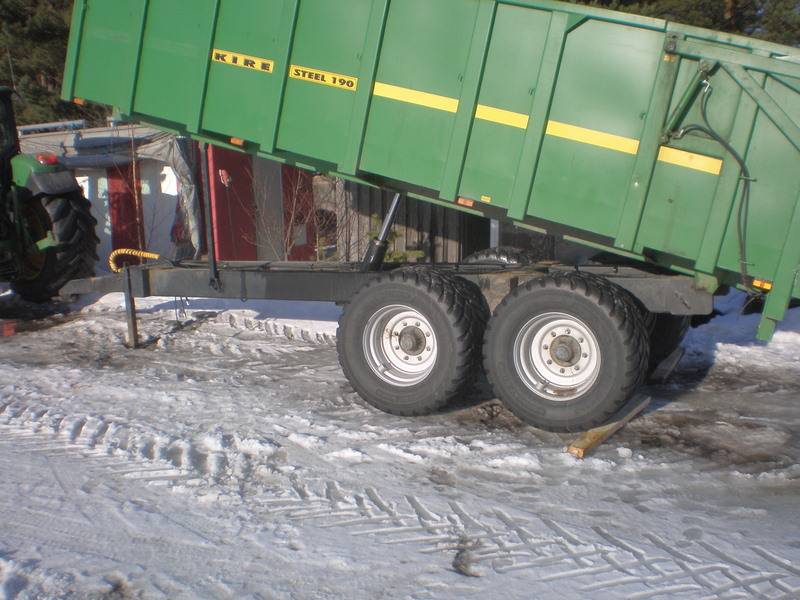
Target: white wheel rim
{"points": [[400, 345], [557, 356]]}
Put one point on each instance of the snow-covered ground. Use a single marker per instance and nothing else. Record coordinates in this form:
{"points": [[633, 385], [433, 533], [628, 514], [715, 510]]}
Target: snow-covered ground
{"points": [[230, 458]]}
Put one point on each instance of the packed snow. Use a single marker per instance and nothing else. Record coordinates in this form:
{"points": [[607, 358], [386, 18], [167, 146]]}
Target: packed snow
{"points": [[229, 458]]}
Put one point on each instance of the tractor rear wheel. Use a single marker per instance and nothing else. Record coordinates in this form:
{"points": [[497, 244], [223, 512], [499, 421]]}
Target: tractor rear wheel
{"points": [[73, 252], [410, 340], [566, 351]]}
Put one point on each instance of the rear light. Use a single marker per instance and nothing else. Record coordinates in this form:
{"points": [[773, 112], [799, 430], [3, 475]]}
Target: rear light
{"points": [[47, 158]]}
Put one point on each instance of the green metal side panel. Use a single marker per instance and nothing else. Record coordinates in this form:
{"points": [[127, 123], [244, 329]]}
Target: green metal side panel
{"points": [[583, 185], [678, 207], [773, 163], [245, 114], [326, 54], [509, 82], [105, 65], [174, 59], [679, 204], [425, 49]]}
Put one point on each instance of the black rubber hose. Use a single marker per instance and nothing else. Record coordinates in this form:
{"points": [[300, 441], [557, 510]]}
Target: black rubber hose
{"points": [[744, 204]]}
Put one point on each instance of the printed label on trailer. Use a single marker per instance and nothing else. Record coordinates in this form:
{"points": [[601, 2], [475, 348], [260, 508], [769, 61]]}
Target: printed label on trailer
{"points": [[343, 82], [244, 61]]}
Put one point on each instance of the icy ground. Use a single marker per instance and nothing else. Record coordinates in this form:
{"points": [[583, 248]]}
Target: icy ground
{"points": [[230, 458]]}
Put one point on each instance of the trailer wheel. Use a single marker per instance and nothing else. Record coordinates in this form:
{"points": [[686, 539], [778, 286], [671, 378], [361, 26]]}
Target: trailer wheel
{"points": [[74, 254], [566, 351], [666, 334], [410, 340]]}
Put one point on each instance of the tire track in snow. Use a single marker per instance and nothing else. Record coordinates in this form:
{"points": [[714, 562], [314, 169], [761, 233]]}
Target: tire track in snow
{"points": [[276, 328], [496, 542], [121, 531]]}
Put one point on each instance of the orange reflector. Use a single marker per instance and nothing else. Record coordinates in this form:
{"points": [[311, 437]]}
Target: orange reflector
{"points": [[237, 141], [762, 285], [466, 202], [79, 101]]}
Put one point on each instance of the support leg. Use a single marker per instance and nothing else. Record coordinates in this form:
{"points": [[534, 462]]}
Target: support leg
{"points": [[130, 311], [376, 253], [214, 280]]}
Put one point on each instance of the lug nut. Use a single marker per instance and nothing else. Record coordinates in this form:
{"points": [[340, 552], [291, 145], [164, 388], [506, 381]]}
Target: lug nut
{"points": [[563, 371]]}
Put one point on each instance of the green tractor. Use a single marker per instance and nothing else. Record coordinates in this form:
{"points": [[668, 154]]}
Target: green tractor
{"points": [[47, 232]]}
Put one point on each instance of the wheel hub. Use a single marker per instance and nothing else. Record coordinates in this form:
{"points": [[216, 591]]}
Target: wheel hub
{"points": [[412, 340], [565, 351], [557, 356], [400, 345]]}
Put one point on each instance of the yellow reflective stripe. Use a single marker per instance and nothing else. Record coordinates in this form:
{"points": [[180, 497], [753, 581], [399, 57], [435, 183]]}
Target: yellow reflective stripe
{"points": [[690, 160], [502, 117], [592, 137], [609, 141], [410, 96]]}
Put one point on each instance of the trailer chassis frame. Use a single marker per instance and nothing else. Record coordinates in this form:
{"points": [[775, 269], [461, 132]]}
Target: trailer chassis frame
{"points": [[338, 283]]}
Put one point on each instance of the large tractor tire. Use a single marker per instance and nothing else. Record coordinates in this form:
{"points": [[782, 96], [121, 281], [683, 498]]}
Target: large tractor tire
{"points": [[565, 352], [410, 340], [74, 254]]}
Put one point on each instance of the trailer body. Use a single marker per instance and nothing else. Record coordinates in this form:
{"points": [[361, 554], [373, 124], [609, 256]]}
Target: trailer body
{"points": [[555, 116]]}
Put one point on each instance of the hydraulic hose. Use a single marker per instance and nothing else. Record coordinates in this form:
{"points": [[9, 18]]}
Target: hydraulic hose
{"points": [[112, 260], [744, 205]]}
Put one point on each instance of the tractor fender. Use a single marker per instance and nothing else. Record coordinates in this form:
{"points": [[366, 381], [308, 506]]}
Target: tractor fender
{"points": [[57, 183], [46, 180]]}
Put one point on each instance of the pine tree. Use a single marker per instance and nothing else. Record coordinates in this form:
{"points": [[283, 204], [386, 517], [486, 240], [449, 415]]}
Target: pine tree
{"points": [[33, 46], [780, 22], [773, 20]]}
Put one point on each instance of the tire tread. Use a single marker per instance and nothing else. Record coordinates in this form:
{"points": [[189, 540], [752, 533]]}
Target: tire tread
{"points": [[619, 306], [467, 316]]}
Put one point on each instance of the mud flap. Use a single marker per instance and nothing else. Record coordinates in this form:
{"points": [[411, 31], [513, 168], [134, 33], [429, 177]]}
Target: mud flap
{"points": [[667, 367]]}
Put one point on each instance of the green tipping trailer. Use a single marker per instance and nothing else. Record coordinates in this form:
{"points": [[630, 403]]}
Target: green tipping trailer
{"points": [[662, 144]]}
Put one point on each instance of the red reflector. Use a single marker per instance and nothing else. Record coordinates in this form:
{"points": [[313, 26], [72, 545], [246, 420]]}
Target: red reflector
{"points": [[47, 159], [7, 328]]}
